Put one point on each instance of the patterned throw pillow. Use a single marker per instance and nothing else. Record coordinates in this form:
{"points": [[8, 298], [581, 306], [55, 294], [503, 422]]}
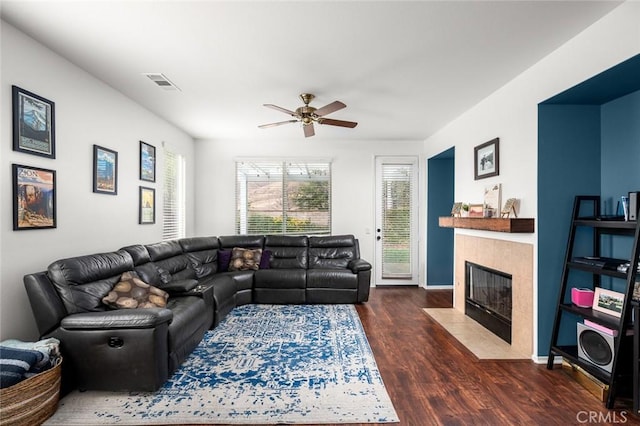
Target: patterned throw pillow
{"points": [[131, 292], [243, 259]]}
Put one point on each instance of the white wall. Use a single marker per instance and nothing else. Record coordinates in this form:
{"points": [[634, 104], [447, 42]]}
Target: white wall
{"points": [[87, 112], [511, 114], [352, 180]]}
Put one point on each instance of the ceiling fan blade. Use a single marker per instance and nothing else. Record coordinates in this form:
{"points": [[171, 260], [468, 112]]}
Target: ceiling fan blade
{"points": [[308, 130], [328, 109], [279, 123], [341, 123], [286, 111]]}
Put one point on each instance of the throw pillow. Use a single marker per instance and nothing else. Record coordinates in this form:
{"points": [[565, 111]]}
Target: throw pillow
{"points": [[224, 257], [131, 292], [243, 259], [265, 260]]}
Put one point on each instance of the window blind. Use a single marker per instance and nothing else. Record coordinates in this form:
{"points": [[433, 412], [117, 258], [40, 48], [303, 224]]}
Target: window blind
{"points": [[291, 197], [173, 209]]}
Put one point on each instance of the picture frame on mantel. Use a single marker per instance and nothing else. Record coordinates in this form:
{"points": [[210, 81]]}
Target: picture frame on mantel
{"points": [[486, 159]]}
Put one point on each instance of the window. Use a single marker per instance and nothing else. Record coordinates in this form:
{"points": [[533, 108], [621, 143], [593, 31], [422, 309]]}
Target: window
{"points": [[173, 209], [290, 197]]}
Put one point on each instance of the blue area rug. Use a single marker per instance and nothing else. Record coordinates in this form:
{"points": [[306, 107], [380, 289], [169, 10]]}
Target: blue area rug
{"points": [[264, 364]]}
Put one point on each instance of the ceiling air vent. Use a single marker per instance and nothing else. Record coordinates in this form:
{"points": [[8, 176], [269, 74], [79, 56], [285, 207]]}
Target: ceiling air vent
{"points": [[162, 81]]}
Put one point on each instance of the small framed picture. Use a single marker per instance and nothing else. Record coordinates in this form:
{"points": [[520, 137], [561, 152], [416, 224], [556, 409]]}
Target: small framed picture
{"points": [[105, 170], [147, 162], [487, 159], [476, 210], [509, 207], [147, 213], [33, 123], [607, 301], [34, 198], [455, 210]]}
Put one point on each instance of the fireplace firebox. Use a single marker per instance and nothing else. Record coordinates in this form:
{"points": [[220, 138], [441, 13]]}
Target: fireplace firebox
{"points": [[488, 299]]}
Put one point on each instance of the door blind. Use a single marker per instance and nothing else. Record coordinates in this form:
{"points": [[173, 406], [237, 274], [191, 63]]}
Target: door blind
{"points": [[397, 220]]}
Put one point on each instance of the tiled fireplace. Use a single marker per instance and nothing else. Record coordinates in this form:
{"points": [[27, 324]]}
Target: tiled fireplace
{"points": [[513, 258]]}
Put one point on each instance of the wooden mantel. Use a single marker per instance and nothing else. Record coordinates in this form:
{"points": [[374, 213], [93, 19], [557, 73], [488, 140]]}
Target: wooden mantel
{"points": [[497, 224]]}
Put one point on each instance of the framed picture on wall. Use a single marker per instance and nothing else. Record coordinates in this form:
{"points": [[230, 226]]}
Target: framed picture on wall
{"points": [[34, 198], [487, 159], [105, 170], [33, 123], [147, 212], [147, 162]]}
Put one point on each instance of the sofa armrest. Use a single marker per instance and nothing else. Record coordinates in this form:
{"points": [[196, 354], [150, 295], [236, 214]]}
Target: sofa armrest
{"points": [[359, 265], [119, 319], [179, 286]]}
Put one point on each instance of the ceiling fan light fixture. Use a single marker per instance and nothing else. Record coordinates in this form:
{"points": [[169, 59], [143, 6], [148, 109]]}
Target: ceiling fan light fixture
{"points": [[307, 115]]}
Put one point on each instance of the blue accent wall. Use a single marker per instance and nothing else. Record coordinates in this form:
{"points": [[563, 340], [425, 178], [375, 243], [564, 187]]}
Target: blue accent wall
{"points": [[588, 144], [441, 177], [568, 165], [620, 147]]}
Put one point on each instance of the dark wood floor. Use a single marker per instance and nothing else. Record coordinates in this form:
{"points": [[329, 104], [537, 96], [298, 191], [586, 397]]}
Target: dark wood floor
{"points": [[433, 380]]}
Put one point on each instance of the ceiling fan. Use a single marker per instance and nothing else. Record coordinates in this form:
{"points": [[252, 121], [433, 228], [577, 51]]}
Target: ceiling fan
{"points": [[307, 115]]}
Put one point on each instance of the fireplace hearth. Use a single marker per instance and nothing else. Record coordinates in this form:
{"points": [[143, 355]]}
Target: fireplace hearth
{"points": [[488, 298]]}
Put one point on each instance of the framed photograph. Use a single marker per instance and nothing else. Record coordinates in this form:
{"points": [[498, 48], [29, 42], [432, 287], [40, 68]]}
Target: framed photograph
{"points": [[509, 207], [147, 214], [147, 162], [607, 301], [476, 210], [487, 159], [492, 199], [33, 123], [455, 210], [34, 198], [105, 170]]}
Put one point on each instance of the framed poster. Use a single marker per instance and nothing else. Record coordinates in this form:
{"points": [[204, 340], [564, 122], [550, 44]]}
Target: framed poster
{"points": [[147, 213], [105, 170], [34, 198], [487, 159], [147, 162], [33, 123], [607, 301]]}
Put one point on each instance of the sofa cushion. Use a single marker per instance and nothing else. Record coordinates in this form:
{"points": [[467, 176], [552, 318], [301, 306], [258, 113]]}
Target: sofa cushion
{"points": [[170, 262], [202, 252], [332, 252], [244, 241], [138, 253], [243, 259], [83, 281], [131, 293], [288, 252], [195, 244]]}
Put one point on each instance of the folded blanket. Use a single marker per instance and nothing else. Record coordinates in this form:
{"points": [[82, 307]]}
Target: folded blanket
{"points": [[50, 349], [15, 363]]}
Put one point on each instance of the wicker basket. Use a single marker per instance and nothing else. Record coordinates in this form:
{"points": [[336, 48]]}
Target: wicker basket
{"points": [[33, 400]]}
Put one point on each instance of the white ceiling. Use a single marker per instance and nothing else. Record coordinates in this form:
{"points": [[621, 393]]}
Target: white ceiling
{"points": [[404, 69]]}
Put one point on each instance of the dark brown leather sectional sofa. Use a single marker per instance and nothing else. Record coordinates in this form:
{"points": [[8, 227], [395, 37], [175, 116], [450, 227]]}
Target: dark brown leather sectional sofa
{"points": [[138, 349]]}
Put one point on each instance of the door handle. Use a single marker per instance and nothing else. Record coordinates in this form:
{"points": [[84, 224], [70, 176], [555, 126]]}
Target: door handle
{"points": [[378, 238]]}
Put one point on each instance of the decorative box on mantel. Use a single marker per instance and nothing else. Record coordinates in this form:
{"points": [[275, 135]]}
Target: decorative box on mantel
{"points": [[497, 224]]}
